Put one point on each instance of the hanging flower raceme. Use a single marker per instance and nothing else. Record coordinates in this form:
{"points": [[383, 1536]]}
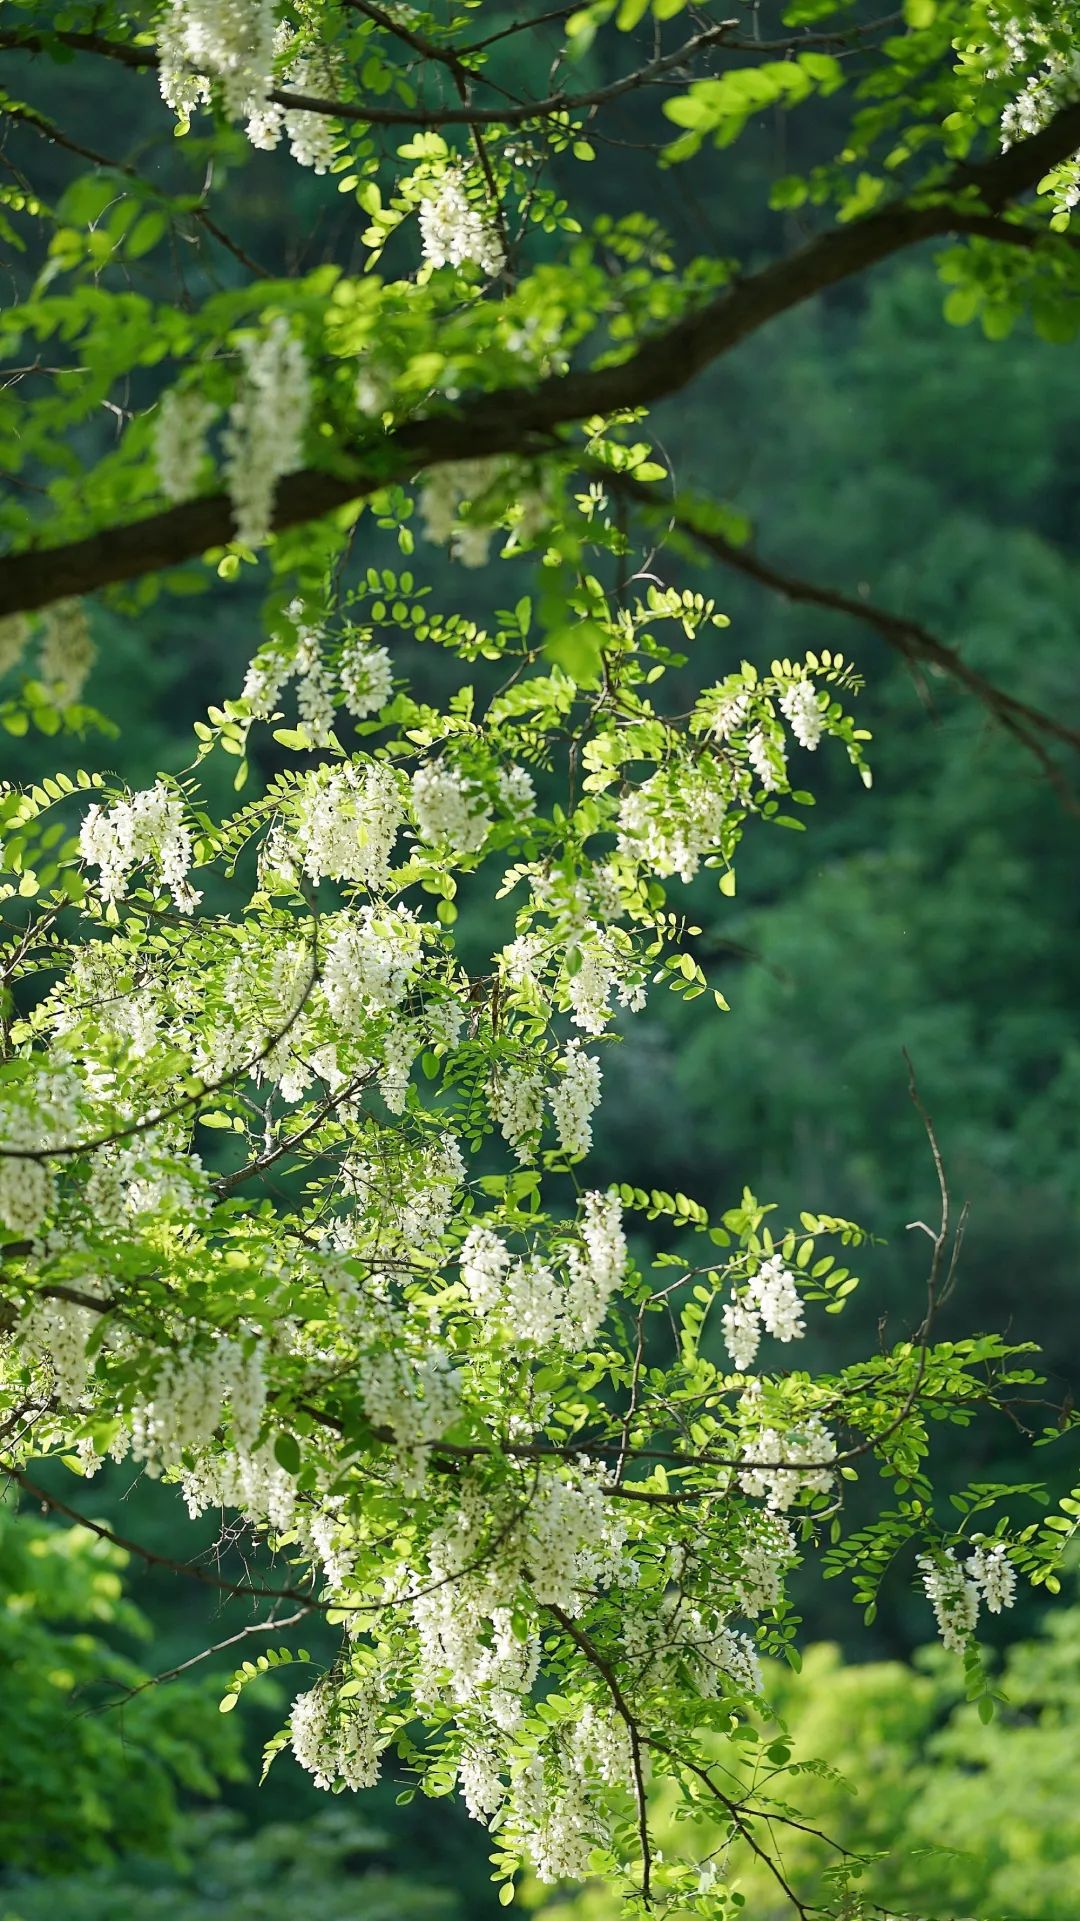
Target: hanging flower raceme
{"points": [[267, 422]]}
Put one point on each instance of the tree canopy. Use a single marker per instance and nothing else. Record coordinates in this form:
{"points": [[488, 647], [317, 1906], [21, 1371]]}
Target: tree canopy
{"points": [[298, 1083]]}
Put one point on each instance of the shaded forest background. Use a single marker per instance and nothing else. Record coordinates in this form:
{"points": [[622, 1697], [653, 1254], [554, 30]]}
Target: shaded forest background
{"points": [[875, 449]]}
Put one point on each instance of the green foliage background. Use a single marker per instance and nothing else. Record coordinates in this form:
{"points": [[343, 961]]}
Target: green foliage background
{"points": [[881, 452]]}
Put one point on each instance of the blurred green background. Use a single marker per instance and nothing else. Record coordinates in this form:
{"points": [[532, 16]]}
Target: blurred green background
{"points": [[880, 452]]}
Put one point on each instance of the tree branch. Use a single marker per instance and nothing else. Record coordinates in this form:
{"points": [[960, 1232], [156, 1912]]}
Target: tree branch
{"points": [[525, 420], [510, 114]]}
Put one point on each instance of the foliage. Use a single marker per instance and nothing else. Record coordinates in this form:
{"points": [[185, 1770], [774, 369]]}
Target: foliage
{"points": [[293, 1100], [80, 1784], [331, 1861]]}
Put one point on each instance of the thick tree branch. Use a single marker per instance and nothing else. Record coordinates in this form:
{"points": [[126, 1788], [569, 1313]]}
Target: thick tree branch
{"points": [[526, 420]]}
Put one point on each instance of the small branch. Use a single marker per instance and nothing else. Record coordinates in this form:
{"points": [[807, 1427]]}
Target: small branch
{"points": [[622, 1708], [306, 1602], [367, 113], [273, 1626], [30, 117], [909, 637]]}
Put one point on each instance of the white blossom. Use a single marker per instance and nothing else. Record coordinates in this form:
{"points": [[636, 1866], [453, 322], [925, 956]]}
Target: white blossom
{"points": [[67, 652], [674, 819], [14, 634], [598, 1268], [484, 1265], [312, 136], [767, 760], [347, 822], [452, 231], [574, 1098], [449, 808], [180, 425], [742, 1332], [954, 1598], [148, 827], [231, 41], [335, 1737], [591, 983], [782, 1467], [993, 1575], [314, 699], [516, 1100], [367, 679], [773, 1293], [370, 964], [267, 422], [446, 490], [799, 704]]}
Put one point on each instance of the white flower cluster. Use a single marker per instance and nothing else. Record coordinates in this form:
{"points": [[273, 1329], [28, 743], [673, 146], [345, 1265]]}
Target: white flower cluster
{"points": [[55, 1332], [14, 634], [766, 757], [190, 1394], [231, 41], [781, 1467], [348, 821], [452, 231], [799, 705], [484, 1266], [574, 1099], [574, 1538], [766, 1553], [267, 422], [336, 1737], [250, 1480], [727, 709], [1053, 82], [955, 1591], [47, 1114], [312, 136], [771, 1301], [314, 697], [555, 1822], [593, 971], [687, 1639], [148, 827], [367, 678], [404, 1198], [994, 1576], [136, 1178], [374, 389], [469, 1652], [954, 1598], [516, 1100], [448, 489], [448, 808], [673, 820], [180, 427], [596, 1270], [370, 964], [528, 1299], [67, 652], [414, 1399]]}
